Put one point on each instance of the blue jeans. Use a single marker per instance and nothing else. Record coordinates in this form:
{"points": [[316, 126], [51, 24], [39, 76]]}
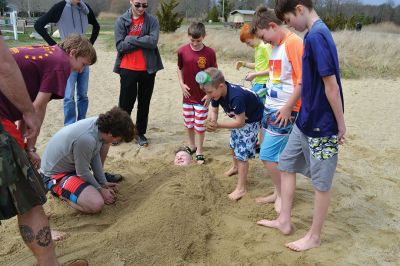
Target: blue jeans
{"points": [[82, 103]]}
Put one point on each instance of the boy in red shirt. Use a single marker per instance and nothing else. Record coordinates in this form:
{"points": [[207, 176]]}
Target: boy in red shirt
{"points": [[193, 58]]}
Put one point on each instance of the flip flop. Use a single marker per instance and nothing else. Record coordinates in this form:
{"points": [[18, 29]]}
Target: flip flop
{"points": [[190, 151], [200, 159]]}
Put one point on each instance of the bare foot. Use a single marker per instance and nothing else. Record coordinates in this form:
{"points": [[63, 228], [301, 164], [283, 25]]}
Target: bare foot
{"points": [[267, 199], [237, 194], [305, 243], [285, 228], [278, 204], [58, 235], [231, 172]]}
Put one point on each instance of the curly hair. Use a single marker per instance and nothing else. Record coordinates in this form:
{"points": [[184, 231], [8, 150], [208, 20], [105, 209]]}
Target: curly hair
{"points": [[118, 123]]}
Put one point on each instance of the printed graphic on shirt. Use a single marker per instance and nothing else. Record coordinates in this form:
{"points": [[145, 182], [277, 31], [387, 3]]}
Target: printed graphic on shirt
{"points": [[276, 71], [135, 29], [202, 62], [47, 51]]}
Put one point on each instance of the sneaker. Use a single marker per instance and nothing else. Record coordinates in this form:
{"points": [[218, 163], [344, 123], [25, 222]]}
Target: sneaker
{"points": [[142, 140], [113, 178]]}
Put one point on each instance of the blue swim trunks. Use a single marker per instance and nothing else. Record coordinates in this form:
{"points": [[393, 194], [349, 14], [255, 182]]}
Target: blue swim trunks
{"points": [[272, 146], [243, 141], [260, 90]]}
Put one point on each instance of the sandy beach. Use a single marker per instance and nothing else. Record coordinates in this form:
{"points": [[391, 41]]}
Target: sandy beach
{"points": [[167, 215]]}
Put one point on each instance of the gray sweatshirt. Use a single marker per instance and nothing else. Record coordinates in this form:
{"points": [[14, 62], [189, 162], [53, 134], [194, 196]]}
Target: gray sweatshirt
{"points": [[70, 19], [76, 148]]}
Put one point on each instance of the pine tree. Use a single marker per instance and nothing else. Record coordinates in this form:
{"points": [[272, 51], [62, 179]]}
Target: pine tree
{"points": [[213, 14], [169, 21]]}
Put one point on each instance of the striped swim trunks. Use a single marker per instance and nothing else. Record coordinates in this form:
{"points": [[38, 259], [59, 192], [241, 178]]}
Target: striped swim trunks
{"points": [[195, 116], [67, 186]]}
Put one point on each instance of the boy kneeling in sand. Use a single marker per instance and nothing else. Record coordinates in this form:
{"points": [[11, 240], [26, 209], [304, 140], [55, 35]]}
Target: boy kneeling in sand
{"points": [[246, 109], [72, 165]]}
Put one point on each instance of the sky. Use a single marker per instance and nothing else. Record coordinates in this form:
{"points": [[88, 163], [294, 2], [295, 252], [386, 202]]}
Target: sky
{"points": [[378, 2]]}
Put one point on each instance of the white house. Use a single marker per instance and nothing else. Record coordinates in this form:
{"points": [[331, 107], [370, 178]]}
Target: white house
{"points": [[241, 16]]}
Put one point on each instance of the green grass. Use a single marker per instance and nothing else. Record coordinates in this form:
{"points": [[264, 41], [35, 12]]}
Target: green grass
{"points": [[23, 40]]}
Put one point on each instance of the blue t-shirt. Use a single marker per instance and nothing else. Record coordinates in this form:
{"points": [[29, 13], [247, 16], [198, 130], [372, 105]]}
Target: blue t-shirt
{"points": [[320, 59], [239, 100]]}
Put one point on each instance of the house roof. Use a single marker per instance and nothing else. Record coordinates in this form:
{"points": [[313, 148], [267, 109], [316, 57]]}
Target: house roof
{"points": [[243, 12]]}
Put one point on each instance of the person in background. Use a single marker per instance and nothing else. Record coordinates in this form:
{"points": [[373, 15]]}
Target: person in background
{"points": [[72, 17], [192, 58], [138, 60]]}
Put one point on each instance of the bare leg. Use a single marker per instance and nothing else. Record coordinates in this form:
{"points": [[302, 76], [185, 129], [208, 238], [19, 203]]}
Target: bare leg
{"points": [[35, 231], [261, 136], [199, 139], [283, 222], [272, 167], [240, 190], [234, 169], [103, 152], [89, 201], [191, 136], [313, 237]]}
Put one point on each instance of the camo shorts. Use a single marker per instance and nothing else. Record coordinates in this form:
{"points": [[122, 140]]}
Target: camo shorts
{"points": [[21, 186]]}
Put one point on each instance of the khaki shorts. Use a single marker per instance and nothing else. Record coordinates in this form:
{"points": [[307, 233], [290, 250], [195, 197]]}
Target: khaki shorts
{"points": [[21, 186], [313, 157]]}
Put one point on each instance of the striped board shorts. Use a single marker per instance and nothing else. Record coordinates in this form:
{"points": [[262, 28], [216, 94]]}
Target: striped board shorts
{"points": [[195, 116], [67, 186]]}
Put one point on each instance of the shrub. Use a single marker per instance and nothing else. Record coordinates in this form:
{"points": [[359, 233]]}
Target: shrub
{"points": [[169, 21]]}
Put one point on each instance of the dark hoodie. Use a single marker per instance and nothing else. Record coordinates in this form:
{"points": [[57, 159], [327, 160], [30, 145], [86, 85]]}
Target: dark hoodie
{"points": [[70, 19]]}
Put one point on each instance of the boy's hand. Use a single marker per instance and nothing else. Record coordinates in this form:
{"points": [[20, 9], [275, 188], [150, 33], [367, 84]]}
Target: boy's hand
{"points": [[206, 100], [239, 64], [111, 185], [31, 125], [34, 158], [185, 90], [284, 116], [211, 125], [250, 76], [341, 133]]}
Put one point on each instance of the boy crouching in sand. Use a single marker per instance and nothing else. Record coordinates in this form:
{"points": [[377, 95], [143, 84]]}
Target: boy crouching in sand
{"points": [[312, 148], [246, 109]]}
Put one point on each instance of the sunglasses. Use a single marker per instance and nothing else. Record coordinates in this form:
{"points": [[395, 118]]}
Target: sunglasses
{"points": [[138, 5]]}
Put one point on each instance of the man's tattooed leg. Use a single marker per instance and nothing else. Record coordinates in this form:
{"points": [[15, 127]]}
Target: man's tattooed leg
{"points": [[26, 233], [43, 237]]}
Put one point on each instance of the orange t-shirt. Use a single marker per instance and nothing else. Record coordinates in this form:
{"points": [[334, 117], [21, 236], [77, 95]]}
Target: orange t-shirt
{"points": [[135, 60]]}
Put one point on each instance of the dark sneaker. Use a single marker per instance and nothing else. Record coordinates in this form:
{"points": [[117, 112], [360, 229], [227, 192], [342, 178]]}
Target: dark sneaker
{"points": [[142, 140], [113, 178]]}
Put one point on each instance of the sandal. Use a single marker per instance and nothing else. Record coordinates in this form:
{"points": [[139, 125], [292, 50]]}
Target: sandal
{"points": [[200, 159], [190, 151]]}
